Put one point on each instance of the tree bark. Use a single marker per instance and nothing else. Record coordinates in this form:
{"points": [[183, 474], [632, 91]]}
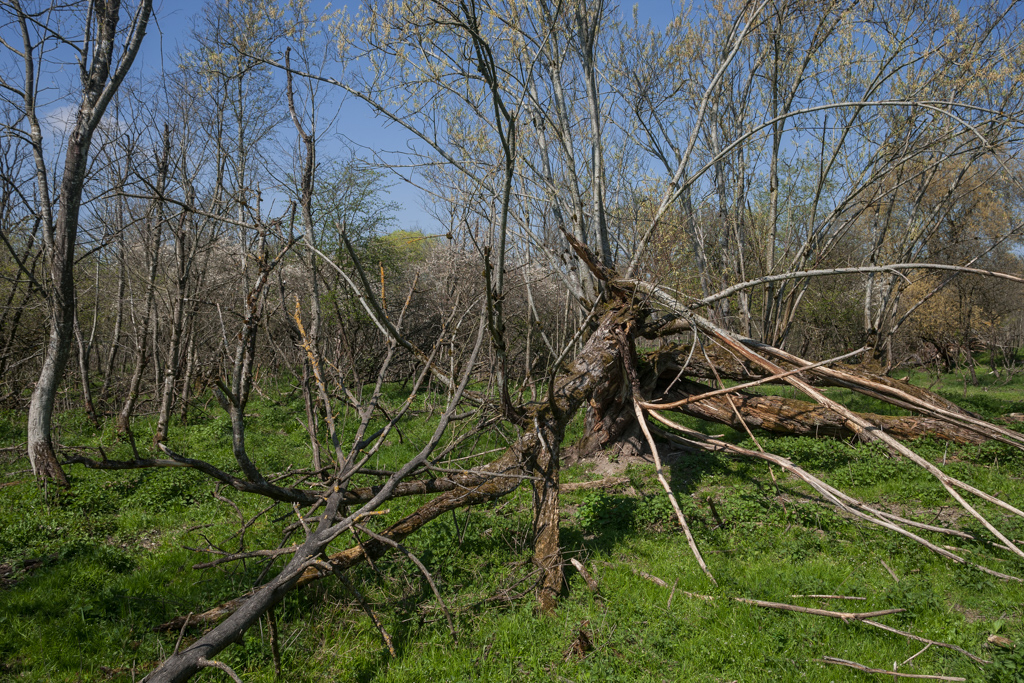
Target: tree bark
{"points": [[788, 416], [99, 84]]}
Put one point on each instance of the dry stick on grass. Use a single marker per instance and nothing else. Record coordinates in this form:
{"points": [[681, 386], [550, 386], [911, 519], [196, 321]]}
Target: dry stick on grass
{"points": [[423, 570], [649, 577], [891, 572], [832, 495], [868, 670], [913, 656], [828, 597], [862, 617], [365, 605], [591, 584], [668, 489], [204, 663], [606, 483]]}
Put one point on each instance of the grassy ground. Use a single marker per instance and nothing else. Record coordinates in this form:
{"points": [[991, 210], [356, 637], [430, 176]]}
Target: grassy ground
{"points": [[87, 574]]}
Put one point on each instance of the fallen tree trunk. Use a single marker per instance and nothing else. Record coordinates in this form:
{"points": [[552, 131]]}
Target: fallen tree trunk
{"points": [[781, 415], [709, 362], [611, 422], [533, 456]]}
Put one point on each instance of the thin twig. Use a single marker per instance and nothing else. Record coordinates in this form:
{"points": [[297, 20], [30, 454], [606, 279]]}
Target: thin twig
{"points": [[274, 649], [423, 570], [366, 608], [591, 584], [649, 577], [868, 670], [862, 617], [203, 663], [829, 597], [181, 634], [911, 657]]}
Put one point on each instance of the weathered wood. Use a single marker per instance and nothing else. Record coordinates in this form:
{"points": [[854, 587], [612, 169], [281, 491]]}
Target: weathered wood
{"points": [[781, 415], [692, 363]]}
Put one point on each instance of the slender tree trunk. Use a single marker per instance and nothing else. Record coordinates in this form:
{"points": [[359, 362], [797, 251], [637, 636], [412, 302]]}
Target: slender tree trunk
{"points": [[183, 260], [84, 353], [186, 383], [99, 83], [153, 263], [115, 338]]}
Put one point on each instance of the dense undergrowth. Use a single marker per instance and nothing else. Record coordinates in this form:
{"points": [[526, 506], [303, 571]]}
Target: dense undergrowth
{"points": [[86, 574]]}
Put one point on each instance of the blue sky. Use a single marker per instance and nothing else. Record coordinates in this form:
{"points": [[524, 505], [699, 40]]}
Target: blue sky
{"points": [[174, 21]]}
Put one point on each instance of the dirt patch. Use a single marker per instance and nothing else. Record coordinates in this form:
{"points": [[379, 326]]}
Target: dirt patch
{"points": [[947, 516], [11, 574], [971, 615]]}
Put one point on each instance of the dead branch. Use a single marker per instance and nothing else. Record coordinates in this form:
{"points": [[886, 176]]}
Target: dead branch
{"points": [[423, 570], [591, 584], [829, 597], [606, 483], [863, 428], [862, 617], [834, 496], [650, 577], [867, 670]]}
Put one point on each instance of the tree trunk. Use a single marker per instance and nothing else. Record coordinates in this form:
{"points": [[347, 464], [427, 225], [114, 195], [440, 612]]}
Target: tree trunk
{"points": [[99, 83], [115, 338], [152, 266], [40, 408], [788, 416]]}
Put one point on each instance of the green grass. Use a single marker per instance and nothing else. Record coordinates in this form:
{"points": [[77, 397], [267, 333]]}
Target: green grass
{"points": [[91, 571]]}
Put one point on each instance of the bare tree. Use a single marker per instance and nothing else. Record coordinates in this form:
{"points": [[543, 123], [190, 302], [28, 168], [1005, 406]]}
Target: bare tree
{"points": [[101, 71]]}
